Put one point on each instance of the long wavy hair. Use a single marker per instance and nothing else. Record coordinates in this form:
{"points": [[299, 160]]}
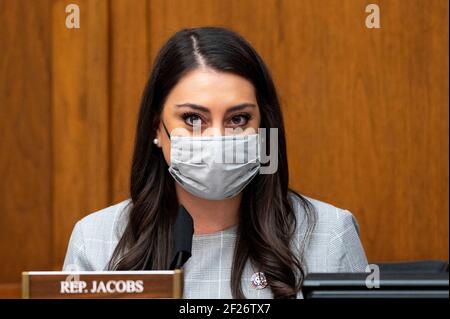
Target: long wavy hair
{"points": [[267, 221]]}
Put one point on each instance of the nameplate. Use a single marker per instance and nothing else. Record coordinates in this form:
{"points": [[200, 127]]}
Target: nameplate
{"points": [[102, 284]]}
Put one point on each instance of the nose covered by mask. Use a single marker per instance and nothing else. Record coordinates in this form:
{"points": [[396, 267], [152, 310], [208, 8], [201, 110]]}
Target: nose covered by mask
{"points": [[214, 167]]}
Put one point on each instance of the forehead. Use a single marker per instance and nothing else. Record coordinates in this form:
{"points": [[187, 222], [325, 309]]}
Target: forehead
{"points": [[210, 88]]}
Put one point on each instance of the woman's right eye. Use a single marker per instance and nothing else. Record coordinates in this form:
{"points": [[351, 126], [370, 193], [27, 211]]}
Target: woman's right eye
{"points": [[192, 118]]}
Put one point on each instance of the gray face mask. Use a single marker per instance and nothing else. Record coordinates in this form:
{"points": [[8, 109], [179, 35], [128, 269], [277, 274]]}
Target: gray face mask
{"points": [[214, 167]]}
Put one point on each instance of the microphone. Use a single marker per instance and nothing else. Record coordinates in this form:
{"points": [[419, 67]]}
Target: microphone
{"points": [[182, 243]]}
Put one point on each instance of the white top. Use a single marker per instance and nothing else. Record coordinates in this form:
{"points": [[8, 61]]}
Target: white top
{"points": [[334, 247]]}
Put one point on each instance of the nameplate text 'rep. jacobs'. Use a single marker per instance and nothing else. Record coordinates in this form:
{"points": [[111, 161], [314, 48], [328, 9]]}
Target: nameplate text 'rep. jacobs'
{"points": [[110, 286], [102, 284]]}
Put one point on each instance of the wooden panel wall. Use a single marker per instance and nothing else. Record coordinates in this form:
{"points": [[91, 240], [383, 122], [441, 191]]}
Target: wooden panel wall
{"points": [[80, 118], [366, 112], [25, 139], [130, 68]]}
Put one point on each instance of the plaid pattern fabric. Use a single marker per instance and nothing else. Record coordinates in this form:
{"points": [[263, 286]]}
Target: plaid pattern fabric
{"points": [[334, 246]]}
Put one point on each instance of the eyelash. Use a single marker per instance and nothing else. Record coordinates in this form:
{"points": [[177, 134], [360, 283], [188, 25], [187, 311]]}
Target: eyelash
{"points": [[187, 115]]}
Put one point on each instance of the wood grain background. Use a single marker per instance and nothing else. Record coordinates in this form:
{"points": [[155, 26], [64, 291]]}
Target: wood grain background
{"points": [[366, 112]]}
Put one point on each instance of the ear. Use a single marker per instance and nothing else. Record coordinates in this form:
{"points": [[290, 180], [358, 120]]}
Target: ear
{"points": [[157, 140]]}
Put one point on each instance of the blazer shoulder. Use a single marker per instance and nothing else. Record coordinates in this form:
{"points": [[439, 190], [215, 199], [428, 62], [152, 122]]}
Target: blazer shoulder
{"points": [[334, 245], [326, 215], [94, 238], [105, 220]]}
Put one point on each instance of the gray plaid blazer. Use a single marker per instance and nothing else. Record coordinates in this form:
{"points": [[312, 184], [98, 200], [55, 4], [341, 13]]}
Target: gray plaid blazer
{"points": [[334, 246]]}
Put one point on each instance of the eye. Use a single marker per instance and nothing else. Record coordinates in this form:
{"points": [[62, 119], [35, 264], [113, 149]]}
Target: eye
{"points": [[190, 118], [240, 119]]}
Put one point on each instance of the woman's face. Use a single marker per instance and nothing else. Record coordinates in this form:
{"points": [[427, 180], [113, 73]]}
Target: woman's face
{"points": [[222, 103]]}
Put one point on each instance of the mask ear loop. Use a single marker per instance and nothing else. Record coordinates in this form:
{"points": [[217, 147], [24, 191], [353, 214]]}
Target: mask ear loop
{"points": [[165, 129]]}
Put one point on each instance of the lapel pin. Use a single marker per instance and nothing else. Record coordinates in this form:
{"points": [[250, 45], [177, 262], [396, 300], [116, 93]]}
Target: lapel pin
{"points": [[259, 280]]}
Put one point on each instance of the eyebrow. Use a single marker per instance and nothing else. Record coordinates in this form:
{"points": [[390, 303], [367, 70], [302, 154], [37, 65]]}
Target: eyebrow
{"points": [[206, 110]]}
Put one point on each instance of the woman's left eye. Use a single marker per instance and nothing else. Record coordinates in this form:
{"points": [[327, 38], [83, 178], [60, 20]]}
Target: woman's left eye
{"points": [[240, 120]]}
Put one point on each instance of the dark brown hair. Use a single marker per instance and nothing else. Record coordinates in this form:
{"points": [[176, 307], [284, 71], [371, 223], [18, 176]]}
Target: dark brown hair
{"points": [[267, 218]]}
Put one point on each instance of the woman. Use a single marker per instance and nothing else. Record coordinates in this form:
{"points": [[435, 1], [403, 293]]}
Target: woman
{"points": [[253, 238]]}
